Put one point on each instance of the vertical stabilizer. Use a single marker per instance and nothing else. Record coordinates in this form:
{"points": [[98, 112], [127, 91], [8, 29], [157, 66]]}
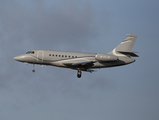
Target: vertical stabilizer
{"points": [[125, 46]]}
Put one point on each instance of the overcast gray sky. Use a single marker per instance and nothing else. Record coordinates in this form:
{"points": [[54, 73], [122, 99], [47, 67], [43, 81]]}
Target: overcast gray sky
{"points": [[121, 93]]}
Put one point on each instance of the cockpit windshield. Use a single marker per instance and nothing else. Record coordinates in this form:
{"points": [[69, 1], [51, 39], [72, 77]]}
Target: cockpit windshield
{"points": [[30, 52]]}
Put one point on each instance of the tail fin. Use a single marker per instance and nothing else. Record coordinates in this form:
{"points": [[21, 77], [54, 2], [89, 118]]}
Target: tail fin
{"points": [[125, 47]]}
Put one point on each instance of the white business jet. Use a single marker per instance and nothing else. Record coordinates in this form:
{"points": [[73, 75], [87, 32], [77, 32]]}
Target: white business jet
{"points": [[121, 55]]}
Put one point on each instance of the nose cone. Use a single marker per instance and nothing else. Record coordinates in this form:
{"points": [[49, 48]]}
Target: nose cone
{"points": [[25, 58], [17, 58]]}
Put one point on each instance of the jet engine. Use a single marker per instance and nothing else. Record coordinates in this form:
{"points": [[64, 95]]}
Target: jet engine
{"points": [[105, 57]]}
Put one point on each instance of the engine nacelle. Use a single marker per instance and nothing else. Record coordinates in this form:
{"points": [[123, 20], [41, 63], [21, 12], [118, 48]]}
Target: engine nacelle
{"points": [[105, 57]]}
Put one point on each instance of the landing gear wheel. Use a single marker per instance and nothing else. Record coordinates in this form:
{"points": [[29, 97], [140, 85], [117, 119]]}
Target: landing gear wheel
{"points": [[79, 74], [33, 70]]}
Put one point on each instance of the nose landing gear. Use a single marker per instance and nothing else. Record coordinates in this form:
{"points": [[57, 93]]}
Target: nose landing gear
{"points": [[79, 73], [33, 68]]}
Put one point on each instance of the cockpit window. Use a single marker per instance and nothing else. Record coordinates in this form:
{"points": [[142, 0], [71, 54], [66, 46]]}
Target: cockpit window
{"points": [[30, 52]]}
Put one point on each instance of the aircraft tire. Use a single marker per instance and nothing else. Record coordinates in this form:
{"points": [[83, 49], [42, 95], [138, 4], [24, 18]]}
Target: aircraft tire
{"points": [[79, 75]]}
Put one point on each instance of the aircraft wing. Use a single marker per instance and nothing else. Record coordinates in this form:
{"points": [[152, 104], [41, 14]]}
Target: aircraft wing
{"points": [[79, 63], [83, 64]]}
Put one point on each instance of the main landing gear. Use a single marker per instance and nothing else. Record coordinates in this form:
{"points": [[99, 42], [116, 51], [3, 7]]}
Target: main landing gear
{"points": [[33, 68], [79, 73]]}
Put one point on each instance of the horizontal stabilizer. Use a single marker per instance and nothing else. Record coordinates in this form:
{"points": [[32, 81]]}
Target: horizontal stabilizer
{"points": [[128, 53]]}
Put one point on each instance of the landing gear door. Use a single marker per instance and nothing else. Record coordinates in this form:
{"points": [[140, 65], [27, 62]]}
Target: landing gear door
{"points": [[40, 55]]}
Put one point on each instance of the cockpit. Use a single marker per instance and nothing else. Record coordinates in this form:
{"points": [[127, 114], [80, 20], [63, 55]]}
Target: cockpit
{"points": [[30, 52]]}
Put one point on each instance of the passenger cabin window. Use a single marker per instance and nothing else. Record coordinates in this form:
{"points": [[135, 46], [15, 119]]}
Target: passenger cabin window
{"points": [[65, 55], [62, 55], [59, 56], [56, 55], [49, 54], [30, 52], [53, 55]]}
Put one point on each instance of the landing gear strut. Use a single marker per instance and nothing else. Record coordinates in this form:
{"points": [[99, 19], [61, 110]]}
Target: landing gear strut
{"points": [[79, 73], [33, 68]]}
